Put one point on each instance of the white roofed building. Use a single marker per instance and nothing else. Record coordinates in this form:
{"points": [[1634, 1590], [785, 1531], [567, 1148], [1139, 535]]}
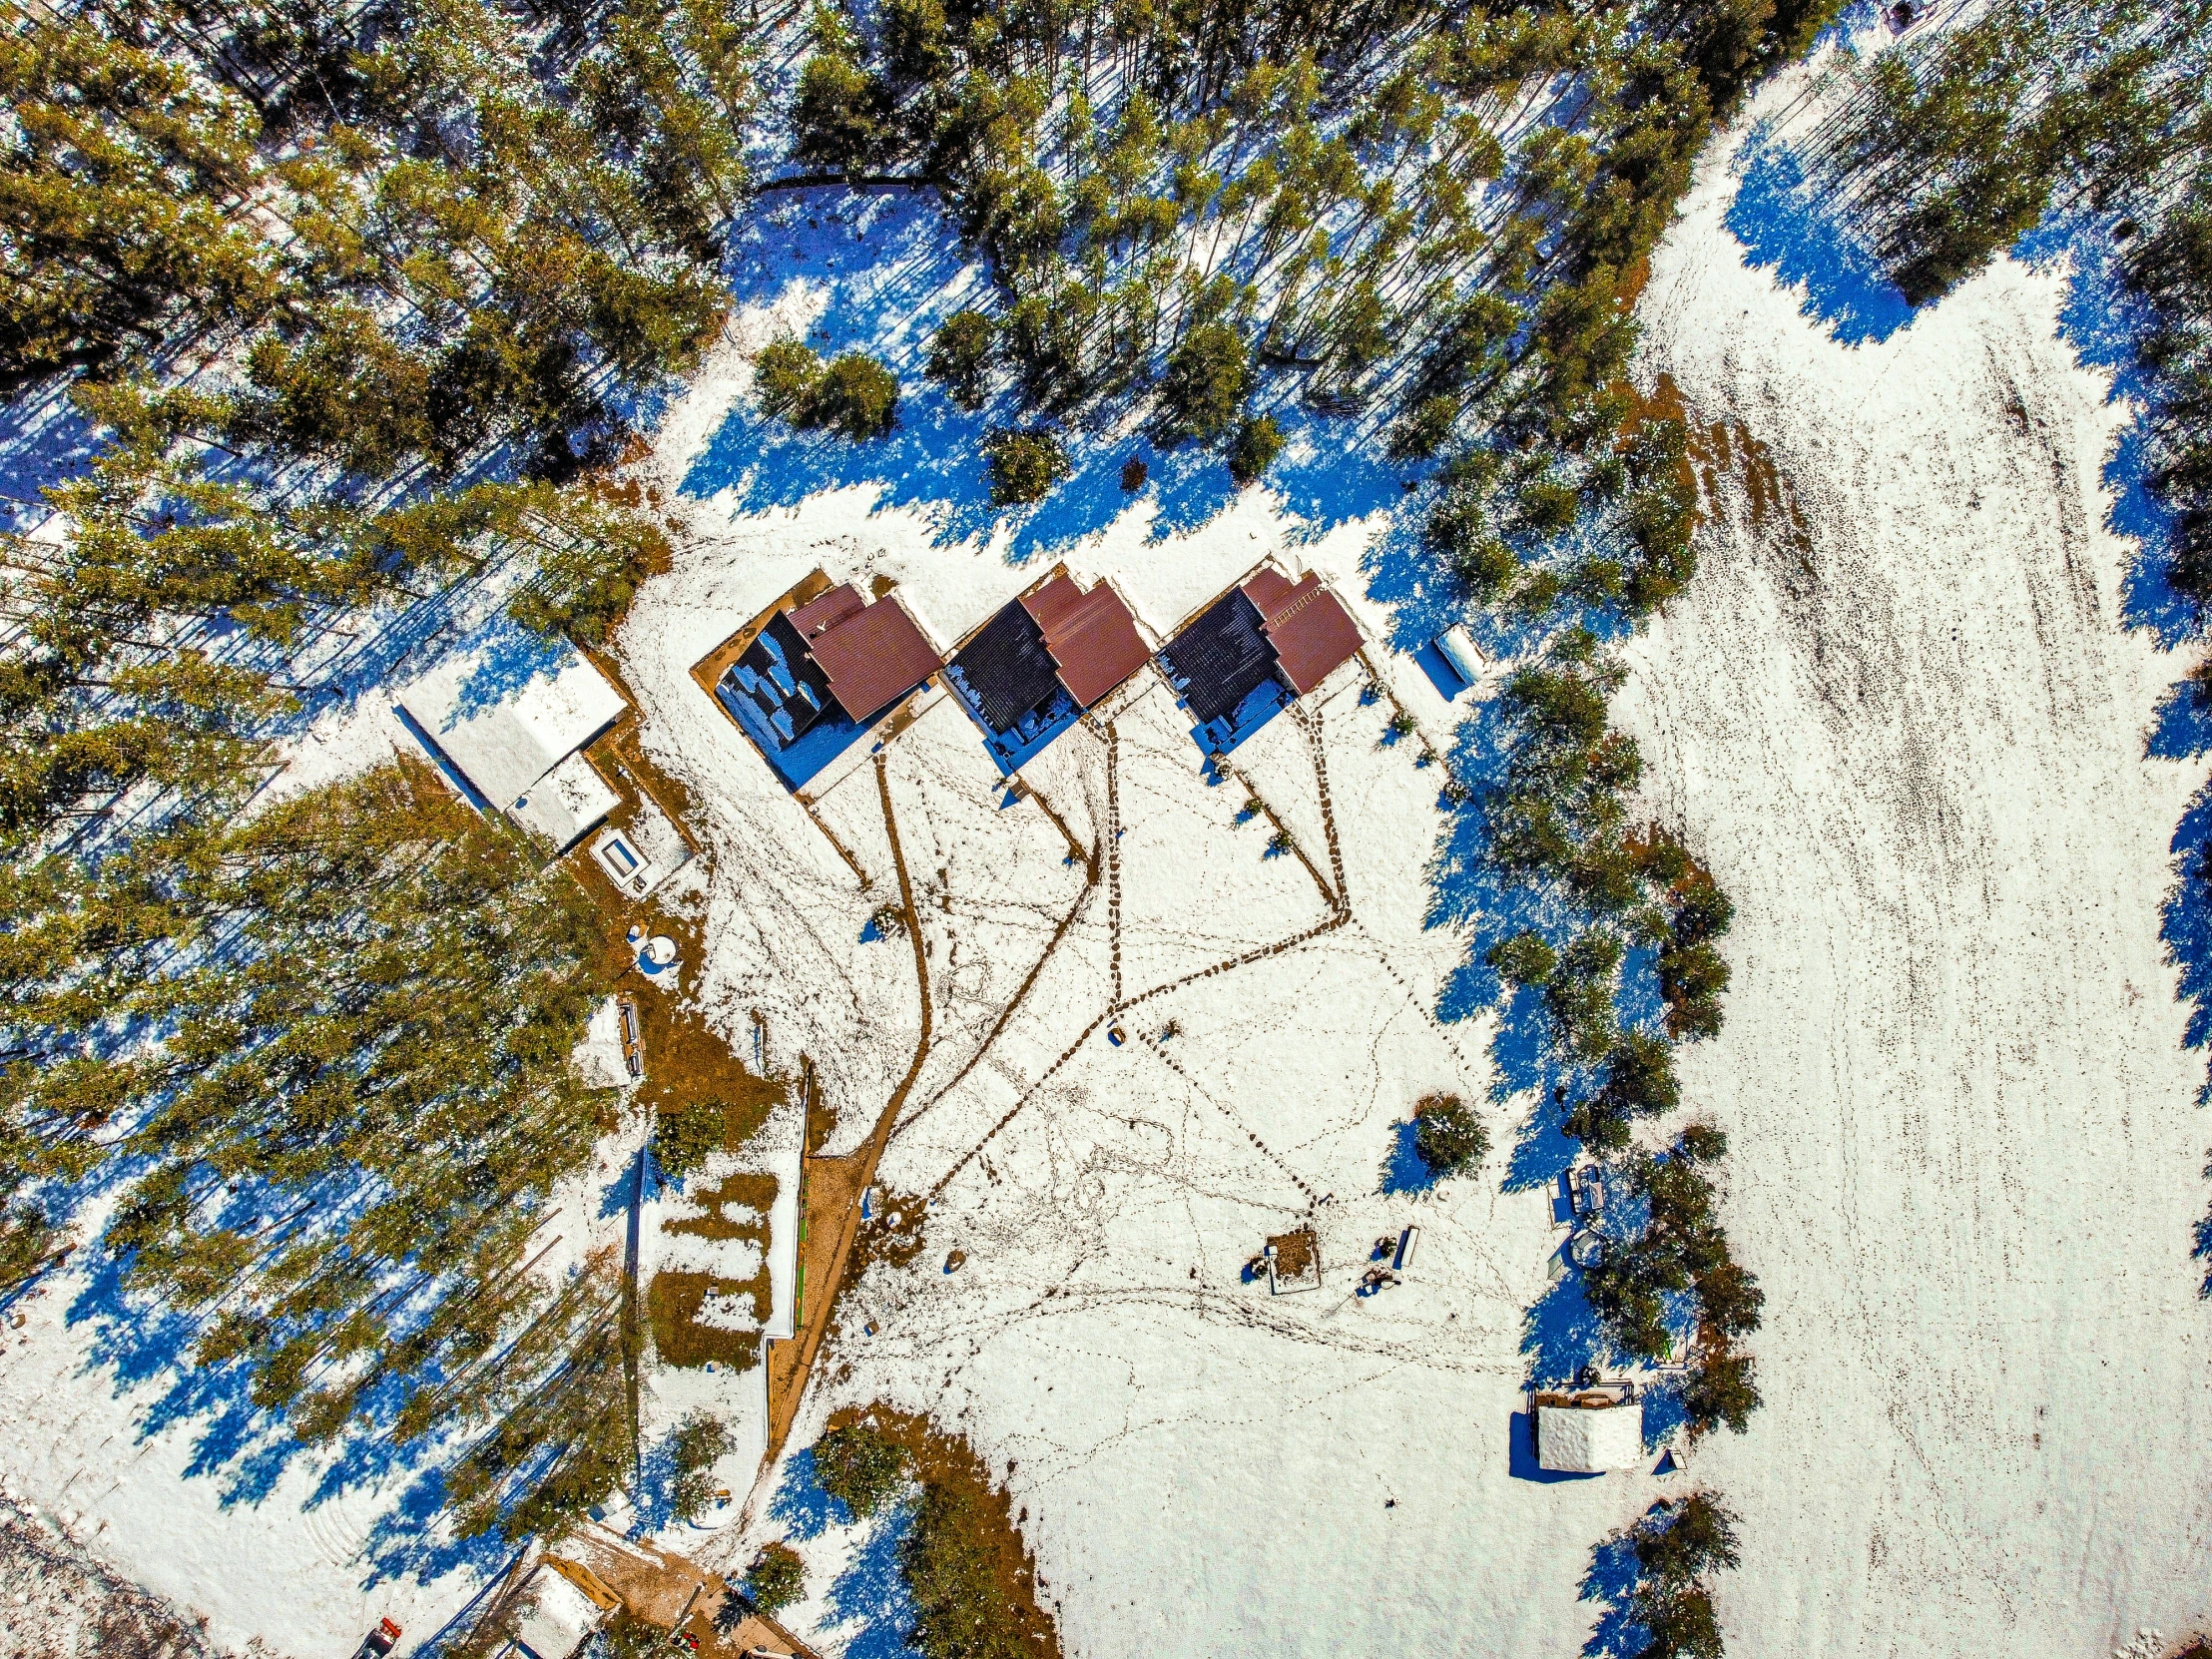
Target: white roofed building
{"points": [[518, 747], [1588, 1438]]}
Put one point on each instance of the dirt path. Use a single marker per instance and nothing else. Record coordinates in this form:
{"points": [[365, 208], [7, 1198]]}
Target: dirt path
{"points": [[1340, 914], [831, 1187]]}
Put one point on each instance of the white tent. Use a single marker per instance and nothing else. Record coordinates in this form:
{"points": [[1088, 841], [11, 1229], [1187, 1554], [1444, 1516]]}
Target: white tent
{"points": [[504, 739], [1580, 1439]]}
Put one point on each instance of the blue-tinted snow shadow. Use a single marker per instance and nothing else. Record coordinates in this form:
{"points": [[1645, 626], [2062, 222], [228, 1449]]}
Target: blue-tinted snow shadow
{"points": [[1788, 225], [1406, 1172], [1611, 1582], [869, 1592], [1561, 1333], [891, 268], [44, 441], [140, 1343]]}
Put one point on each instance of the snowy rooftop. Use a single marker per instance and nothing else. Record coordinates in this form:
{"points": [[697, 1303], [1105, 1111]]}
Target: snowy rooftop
{"points": [[1590, 1440], [506, 729]]}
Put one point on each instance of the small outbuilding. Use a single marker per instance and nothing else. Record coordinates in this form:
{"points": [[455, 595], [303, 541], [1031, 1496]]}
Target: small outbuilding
{"points": [[1256, 649], [1588, 1433], [820, 673], [516, 744], [1040, 661]]}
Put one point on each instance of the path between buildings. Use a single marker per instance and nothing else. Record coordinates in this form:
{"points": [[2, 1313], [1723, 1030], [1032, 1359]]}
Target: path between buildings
{"points": [[831, 1188]]}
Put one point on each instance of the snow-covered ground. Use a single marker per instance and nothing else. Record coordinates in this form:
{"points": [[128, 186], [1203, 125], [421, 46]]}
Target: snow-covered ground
{"points": [[1965, 1155]]}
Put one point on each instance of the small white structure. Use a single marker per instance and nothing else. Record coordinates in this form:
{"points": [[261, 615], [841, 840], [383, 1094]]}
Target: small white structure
{"points": [[787, 1164], [1589, 1439], [519, 750], [559, 1619], [1457, 648]]}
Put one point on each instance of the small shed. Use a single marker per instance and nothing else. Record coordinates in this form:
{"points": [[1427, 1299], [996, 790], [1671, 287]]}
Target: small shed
{"points": [[558, 1617], [1588, 1433]]}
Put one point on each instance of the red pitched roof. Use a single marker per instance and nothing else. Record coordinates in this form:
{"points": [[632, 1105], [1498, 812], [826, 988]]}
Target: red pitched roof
{"points": [[873, 654], [1092, 637], [1308, 625], [825, 610]]}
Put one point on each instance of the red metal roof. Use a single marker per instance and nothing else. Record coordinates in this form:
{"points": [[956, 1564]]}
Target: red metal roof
{"points": [[825, 610], [1308, 625], [1092, 637], [873, 654]]}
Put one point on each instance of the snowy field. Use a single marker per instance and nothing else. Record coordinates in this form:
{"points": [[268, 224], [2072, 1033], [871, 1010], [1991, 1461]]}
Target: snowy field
{"points": [[1965, 1151]]}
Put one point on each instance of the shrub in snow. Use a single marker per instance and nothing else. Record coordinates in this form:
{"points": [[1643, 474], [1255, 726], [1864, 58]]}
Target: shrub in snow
{"points": [[1259, 440], [777, 1578], [1523, 959], [861, 1466], [889, 921], [1024, 467], [960, 356], [1448, 1136]]}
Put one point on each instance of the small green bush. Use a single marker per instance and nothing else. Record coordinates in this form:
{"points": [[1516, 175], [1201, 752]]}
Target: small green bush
{"points": [[1259, 440], [1450, 1138], [681, 1140], [1523, 959], [786, 376], [857, 397], [1024, 467], [777, 1578], [1206, 379], [960, 356], [861, 1466]]}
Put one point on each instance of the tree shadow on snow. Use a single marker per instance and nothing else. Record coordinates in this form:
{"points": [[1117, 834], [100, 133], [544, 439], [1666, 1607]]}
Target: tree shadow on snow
{"points": [[1788, 225], [1611, 1583]]}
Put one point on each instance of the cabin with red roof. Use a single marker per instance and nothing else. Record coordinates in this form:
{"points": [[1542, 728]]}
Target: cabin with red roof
{"points": [[1028, 673], [817, 674], [1265, 643]]}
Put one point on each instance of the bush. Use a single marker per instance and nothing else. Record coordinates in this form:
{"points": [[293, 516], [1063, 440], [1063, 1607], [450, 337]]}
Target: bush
{"points": [[681, 1140], [861, 1466], [1207, 377], [960, 356], [1685, 1542], [786, 376], [1719, 1390], [777, 1578], [1259, 440], [1024, 467], [889, 921], [1133, 474], [1523, 959], [1450, 1138], [857, 397], [700, 1441]]}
